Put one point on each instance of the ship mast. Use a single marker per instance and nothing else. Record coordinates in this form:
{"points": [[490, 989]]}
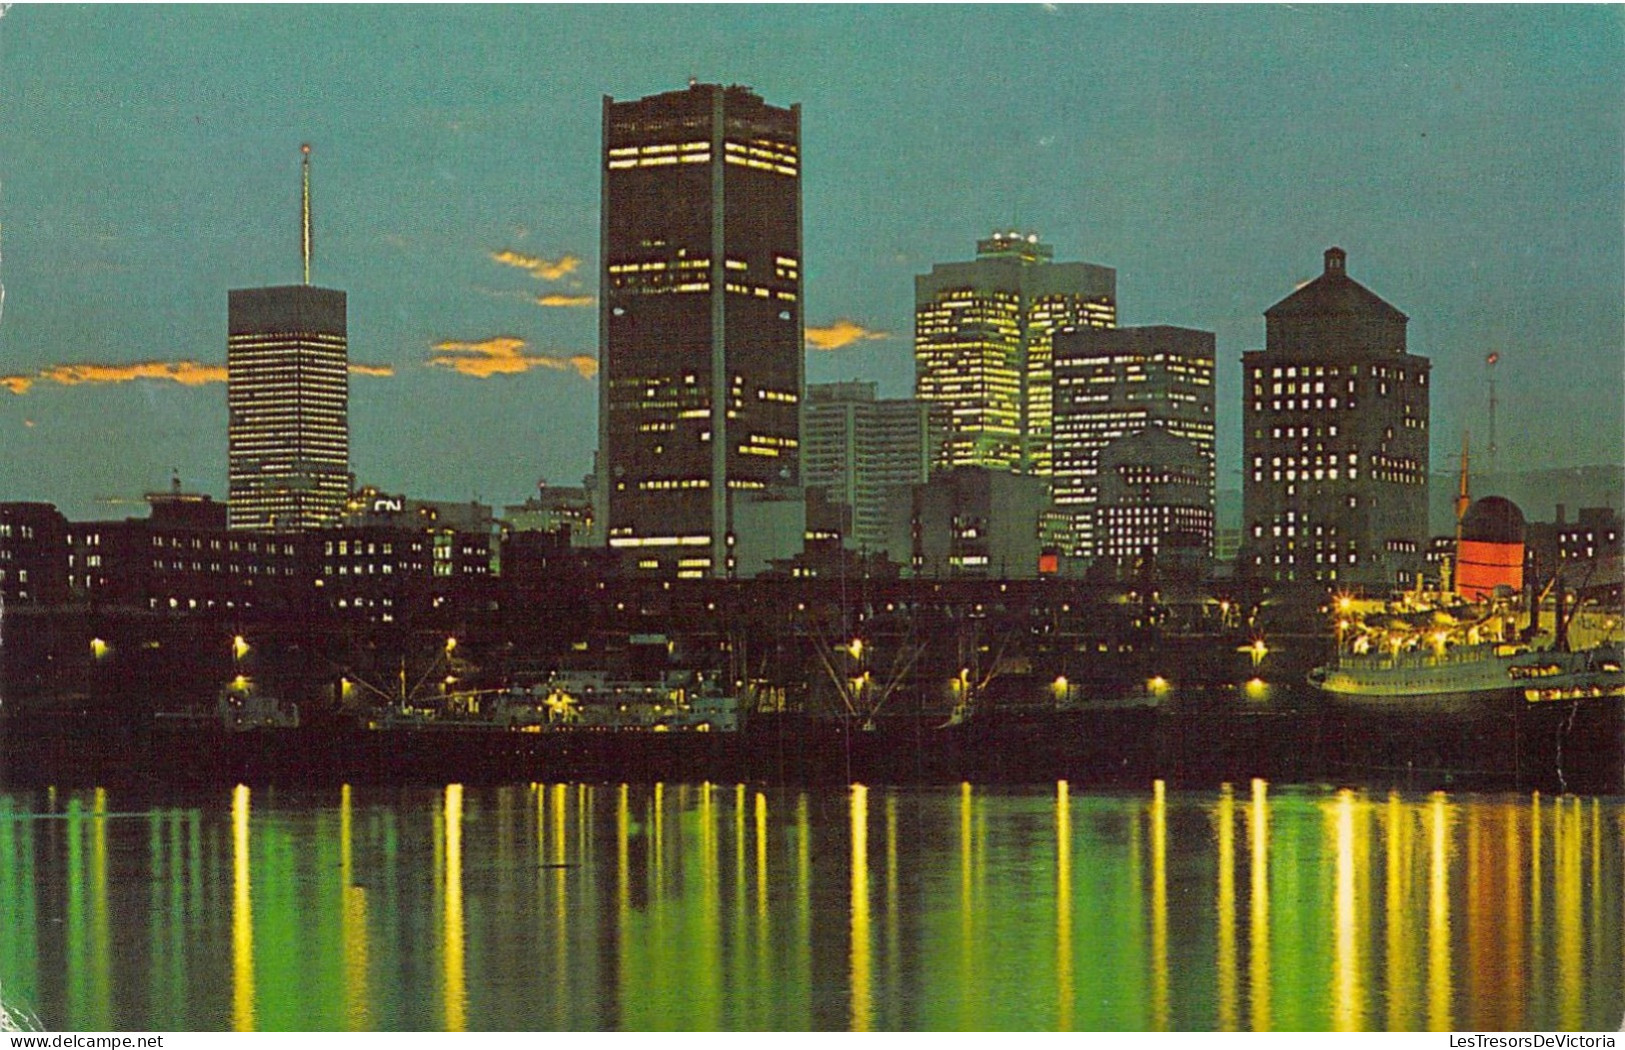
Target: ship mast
{"points": [[1463, 501]]}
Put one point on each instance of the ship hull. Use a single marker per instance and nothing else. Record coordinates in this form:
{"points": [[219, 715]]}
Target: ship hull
{"points": [[1492, 740]]}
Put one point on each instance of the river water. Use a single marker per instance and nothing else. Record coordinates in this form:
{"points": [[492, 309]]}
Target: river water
{"points": [[694, 906]]}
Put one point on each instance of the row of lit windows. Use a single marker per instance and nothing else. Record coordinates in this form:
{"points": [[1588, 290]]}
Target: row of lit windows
{"points": [[1304, 405], [660, 266], [758, 291], [670, 484]]}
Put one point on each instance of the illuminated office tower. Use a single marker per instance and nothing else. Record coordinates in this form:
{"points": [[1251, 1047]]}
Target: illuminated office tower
{"points": [[859, 449], [1335, 439], [288, 394], [700, 320], [982, 345], [1110, 384]]}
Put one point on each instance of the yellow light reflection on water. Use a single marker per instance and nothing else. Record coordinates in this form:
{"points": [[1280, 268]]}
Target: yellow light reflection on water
{"points": [[1537, 887], [1566, 847], [708, 975], [1064, 991], [242, 917], [862, 1007], [1226, 820], [1159, 905], [1346, 998], [657, 821], [1258, 924], [1595, 916], [761, 858], [353, 924], [763, 929], [623, 867], [803, 941], [739, 844], [1512, 995], [100, 936], [966, 950], [893, 952], [453, 982], [1401, 973], [1439, 980]]}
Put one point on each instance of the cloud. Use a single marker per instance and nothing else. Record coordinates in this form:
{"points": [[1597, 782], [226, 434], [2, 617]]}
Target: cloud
{"points": [[504, 355], [536, 266], [186, 373], [560, 299], [843, 332]]}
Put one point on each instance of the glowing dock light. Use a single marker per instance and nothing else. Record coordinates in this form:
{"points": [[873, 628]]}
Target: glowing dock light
{"points": [[1158, 685], [1257, 650], [98, 648], [239, 647], [1257, 689], [451, 643], [856, 648]]}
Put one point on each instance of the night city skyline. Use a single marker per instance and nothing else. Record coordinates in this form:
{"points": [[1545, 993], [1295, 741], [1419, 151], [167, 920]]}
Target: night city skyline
{"points": [[1468, 158]]}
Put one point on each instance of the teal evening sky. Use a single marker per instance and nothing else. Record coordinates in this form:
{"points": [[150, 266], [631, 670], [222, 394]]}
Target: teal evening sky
{"points": [[1468, 158]]}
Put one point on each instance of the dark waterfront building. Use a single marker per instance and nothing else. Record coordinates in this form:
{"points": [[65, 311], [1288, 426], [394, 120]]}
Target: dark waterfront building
{"points": [[288, 395], [968, 521], [183, 559], [982, 346], [33, 554], [700, 320], [1113, 383], [1335, 439]]}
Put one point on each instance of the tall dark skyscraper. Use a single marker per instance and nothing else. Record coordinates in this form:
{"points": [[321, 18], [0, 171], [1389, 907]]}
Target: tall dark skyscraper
{"points": [[1335, 439], [700, 320], [288, 395]]}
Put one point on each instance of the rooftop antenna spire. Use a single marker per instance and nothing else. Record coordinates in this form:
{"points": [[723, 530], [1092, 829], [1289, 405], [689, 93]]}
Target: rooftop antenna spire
{"points": [[1489, 368], [304, 211]]}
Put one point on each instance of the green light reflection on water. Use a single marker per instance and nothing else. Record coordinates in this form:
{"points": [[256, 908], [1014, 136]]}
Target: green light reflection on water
{"points": [[695, 907]]}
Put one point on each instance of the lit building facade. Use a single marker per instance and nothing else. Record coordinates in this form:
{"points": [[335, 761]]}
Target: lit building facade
{"points": [[700, 320], [1111, 383], [982, 346], [1156, 494], [1335, 439], [288, 396], [858, 448]]}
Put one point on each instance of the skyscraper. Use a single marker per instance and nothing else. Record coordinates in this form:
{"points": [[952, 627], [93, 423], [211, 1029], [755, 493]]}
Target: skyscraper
{"points": [[288, 394], [700, 319], [1110, 384], [1335, 439], [859, 448], [982, 345]]}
